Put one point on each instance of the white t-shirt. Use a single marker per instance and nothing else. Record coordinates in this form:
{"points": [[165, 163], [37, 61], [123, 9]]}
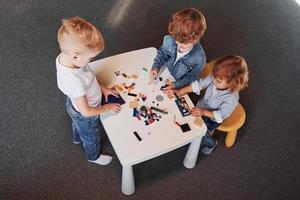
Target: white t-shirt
{"points": [[180, 55], [78, 82]]}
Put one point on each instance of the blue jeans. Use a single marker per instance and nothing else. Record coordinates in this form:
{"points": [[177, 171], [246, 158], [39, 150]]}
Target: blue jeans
{"points": [[211, 126], [86, 131]]}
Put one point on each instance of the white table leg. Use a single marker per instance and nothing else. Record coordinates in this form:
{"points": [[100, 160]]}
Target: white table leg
{"points": [[128, 186], [192, 154]]}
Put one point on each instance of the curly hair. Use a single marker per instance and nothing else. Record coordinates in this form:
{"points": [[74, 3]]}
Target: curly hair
{"points": [[233, 69], [187, 25]]}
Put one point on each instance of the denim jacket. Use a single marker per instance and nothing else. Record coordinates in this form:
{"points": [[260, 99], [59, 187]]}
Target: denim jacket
{"points": [[187, 69]]}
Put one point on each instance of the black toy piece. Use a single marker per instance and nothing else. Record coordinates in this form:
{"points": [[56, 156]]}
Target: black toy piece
{"points": [[132, 94], [112, 99], [185, 127], [158, 110], [137, 136], [163, 87]]}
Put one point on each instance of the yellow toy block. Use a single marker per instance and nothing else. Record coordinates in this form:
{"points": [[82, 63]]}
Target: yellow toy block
{"points": [[198, 122], [134, 76], [118, 87], [141, 94], [133, 104]]}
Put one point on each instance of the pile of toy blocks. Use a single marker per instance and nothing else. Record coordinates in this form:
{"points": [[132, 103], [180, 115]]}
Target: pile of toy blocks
{"points": [[146, 114]]}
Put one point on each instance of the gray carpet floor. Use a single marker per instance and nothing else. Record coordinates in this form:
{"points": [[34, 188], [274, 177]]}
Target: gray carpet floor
{"points": [[38, 159]]}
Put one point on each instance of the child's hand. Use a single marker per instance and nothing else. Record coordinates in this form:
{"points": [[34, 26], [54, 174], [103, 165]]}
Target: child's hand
{"points": [[153, 74], [112, 107], [106, 92], [197, 112], [169, 90], [170, 84], [170, 93]]}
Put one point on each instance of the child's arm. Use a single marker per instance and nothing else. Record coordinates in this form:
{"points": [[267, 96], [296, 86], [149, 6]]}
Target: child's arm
{"points": [[185, 90], [226, 108], [189, 77], [224, 111], [88, 111], [162, 57], [201, 84], [159, 60], [198, 112], [180, 92], [107, 91]]}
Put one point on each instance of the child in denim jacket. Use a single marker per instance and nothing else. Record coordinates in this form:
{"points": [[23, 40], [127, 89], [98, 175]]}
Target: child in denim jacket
{"points": [[181, 51], [79, 42], [229, 76]]}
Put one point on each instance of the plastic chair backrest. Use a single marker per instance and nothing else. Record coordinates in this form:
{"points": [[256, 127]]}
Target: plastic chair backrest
{"points": [[207, 70]]}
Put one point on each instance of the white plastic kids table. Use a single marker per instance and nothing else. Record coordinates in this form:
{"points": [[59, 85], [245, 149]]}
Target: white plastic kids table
{"points": [[157, 138]]}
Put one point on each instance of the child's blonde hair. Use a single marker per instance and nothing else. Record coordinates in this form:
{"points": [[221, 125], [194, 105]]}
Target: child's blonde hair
{"points": [[82, 32], [187, 25], [233, 69]]}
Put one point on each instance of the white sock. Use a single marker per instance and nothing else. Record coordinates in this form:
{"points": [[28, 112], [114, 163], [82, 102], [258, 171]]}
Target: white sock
{"points": [[102, 160]]}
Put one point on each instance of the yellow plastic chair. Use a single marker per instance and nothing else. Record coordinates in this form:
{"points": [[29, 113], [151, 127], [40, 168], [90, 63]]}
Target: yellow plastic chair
{"points": [[232, 124], [207, 70], [234, 121]]}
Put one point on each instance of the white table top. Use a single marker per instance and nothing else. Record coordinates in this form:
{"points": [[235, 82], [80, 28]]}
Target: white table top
{"points": [[157, 138]]}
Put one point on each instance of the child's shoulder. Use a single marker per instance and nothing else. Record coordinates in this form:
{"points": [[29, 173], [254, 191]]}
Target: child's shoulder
{"points": [[232, 97], [169, 39], [198, 54], [198, 49], [68, 74], [169, 45]]}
